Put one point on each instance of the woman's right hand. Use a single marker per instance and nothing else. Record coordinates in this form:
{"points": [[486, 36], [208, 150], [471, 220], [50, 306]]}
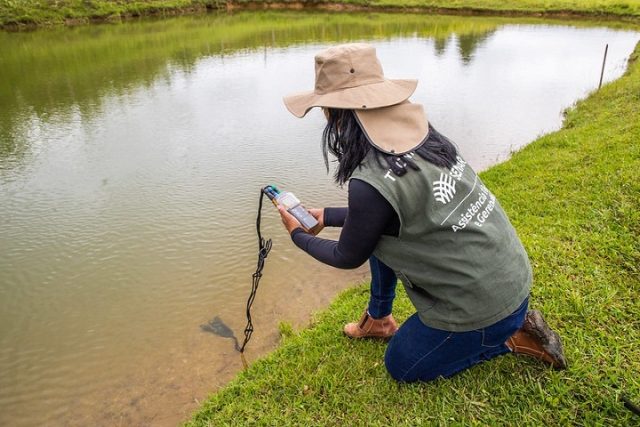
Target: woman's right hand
{"points": [[318, 214]]}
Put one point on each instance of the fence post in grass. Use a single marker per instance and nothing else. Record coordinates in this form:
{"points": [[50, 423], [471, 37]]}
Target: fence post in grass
{"points": [[604, 61]]}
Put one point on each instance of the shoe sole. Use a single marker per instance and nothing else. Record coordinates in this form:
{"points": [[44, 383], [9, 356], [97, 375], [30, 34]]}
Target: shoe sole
{"points": [[384, 338], [369, 336], [372, 338], [550, 340]]}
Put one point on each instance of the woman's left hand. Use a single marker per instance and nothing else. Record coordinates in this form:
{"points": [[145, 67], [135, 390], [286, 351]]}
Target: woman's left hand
{"points": [[290, 222]]}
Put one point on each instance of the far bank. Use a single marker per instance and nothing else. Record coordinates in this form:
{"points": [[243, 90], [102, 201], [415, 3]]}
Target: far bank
{"points": [[23, 14]]}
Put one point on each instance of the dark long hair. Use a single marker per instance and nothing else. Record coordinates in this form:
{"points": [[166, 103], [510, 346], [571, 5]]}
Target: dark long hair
{"points": [[344, 139]]}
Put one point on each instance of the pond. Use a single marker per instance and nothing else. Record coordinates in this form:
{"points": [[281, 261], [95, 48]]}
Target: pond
{"points": [[131, 156]]}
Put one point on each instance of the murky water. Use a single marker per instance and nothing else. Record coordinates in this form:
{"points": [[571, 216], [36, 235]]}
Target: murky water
{"points": [[131, 157]]}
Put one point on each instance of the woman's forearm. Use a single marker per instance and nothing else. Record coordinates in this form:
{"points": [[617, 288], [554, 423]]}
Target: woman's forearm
{"points": [[368, 217], [331, 252]]}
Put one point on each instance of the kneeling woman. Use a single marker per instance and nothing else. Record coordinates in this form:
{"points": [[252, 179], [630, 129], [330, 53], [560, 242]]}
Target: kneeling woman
{"points": [[418, 212]]}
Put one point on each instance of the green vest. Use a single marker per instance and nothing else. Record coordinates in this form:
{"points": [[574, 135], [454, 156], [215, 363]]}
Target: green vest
{"points": [[458, 256]]}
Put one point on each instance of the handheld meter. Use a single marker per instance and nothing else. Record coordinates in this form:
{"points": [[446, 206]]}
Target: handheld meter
{"points": [[291, 204]]}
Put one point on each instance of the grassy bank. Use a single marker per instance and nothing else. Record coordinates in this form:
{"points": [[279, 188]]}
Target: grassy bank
{"points": [[50, 12], [574, 196]]}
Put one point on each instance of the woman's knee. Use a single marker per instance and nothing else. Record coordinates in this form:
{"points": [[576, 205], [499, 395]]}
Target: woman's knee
{"points": [[402, 366], [406, 373], [417, 352], [393, 364]]}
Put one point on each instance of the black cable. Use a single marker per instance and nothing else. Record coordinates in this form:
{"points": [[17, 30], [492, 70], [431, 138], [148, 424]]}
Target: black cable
{"points": [[630, 406], [264, 246]]}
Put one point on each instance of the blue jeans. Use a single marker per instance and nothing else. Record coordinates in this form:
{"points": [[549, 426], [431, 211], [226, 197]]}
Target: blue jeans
{"points": [[420, 353]]}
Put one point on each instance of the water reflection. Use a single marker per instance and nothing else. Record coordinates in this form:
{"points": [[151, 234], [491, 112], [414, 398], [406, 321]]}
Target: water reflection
{"points": [[468, 43], [47, 73]]}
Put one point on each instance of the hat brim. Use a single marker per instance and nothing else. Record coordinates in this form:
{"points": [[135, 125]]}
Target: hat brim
{"points": [[374, 95]]}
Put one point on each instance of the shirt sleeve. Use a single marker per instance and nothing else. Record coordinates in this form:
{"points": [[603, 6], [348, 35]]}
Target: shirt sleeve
{"points": [[367, 217], [335, 217]]}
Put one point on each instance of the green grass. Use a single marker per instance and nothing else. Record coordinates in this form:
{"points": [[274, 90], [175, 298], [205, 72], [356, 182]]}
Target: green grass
{"points": [[555, 7], [50, 12], [574, 197]]}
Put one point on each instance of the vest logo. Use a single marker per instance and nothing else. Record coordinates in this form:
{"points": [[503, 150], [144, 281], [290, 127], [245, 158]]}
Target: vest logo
{"points": [[444, 189], [458, 169]]}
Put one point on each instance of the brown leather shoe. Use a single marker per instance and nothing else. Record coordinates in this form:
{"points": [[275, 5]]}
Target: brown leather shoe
{"points": [[368, 327], [535, 338]]}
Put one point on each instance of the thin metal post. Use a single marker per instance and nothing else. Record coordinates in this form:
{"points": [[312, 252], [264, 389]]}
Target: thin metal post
{"points": [[604, 61]]}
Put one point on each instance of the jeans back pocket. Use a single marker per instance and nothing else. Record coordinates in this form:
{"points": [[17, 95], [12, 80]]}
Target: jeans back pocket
{"points": [[491, 337]]}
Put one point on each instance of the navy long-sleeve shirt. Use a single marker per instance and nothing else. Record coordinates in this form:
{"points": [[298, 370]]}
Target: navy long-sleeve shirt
{"points": [[368, 217]]}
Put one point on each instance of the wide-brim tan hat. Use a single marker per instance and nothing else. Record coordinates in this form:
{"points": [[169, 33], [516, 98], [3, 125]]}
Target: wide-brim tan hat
{"points": [[375, 95], [397, 129], [350, 76]]}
